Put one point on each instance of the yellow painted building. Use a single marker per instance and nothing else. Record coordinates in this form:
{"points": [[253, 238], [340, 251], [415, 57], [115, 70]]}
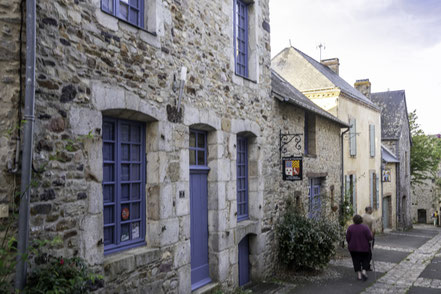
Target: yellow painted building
{"points": [[321, 83]]}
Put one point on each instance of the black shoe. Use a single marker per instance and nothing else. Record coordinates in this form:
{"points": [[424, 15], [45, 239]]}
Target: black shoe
{"points": [[364, 277]]}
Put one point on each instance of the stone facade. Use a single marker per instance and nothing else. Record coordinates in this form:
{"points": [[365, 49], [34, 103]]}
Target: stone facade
{"points": [[90, 64], [322, 85], [10, 100]]}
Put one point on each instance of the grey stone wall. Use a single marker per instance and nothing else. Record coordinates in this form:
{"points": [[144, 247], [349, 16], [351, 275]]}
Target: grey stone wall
{"points": [[9, 93], [326, 165], [90, 64], [405, 191]]}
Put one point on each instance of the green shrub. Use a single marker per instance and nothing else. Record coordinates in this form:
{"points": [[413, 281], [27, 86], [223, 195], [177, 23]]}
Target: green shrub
{"points": [[59, 275], [306, 243]]}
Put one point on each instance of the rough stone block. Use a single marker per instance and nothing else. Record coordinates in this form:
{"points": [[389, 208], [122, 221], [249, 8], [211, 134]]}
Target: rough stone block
{"points": [[220, 241], [184, 171], [163, 232], [184, 277], [216, 196], [217, 220], [145, 256], [219, 264], [231, 190], [182, 254], [184, 226], [4, 210], [107, 21], [182, 204], [83, 120], [95, 198], [191, 115], [91, 235]]}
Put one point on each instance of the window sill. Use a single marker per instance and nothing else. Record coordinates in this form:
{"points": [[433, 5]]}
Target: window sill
{"points": [[245, 78], [129, 23], [310, 155], [129, 260], [246, 227]]}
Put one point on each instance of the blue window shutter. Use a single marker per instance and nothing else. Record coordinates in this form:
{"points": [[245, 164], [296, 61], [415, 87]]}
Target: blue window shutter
{"points": [[371, 187], [377, 191], [353, 137], [123, 184], [372, 139], [242, 178], [354, 193]]}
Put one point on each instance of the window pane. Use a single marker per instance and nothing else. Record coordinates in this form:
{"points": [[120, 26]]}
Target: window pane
{"points": [[108, 132], [108, 192], [201, 158], [125, 232], [107, 5], [192, 157], [108, 152], [201, 140], [125, 130], [136, 153], [133, 16], [125, 192], [135, 134], [136, 230], [108, 235], [109, 216], [125, 172], [136, 192], [136, 172], [123, 11], [192, 139], [133, 3], [108, 173], [135, 212], [125, 152]]}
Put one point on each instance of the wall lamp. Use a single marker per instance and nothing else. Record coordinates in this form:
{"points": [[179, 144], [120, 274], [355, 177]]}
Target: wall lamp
{"points": [[180, 85]]}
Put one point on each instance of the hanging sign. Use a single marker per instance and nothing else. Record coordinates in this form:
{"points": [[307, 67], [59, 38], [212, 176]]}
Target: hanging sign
{"points": [[292, 168]]}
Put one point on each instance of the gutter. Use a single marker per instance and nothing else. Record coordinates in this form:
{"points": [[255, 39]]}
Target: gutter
{"points": [[26, 165], [342, 200]]}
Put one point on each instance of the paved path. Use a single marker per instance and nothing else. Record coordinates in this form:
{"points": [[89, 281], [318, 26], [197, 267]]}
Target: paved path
{"points": [[405, 262]]}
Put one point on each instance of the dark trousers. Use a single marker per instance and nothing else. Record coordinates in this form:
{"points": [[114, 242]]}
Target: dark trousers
{"points": [[360, 260]]}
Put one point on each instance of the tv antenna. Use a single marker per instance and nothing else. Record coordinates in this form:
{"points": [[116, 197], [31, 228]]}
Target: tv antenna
{"points": [[320, 47]]}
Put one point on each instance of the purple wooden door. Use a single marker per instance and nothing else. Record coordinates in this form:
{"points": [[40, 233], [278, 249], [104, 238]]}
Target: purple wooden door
{"points": [[198, 210], [244, 263]]}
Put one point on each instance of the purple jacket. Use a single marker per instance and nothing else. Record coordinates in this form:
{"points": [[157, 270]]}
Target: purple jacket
{"points": [[358, 237]]}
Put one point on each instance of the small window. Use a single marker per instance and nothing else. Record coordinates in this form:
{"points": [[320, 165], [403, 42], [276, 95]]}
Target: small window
{"points": [[198, 148], [131, 11], [123, 184], [242, 178], [241, 38]]}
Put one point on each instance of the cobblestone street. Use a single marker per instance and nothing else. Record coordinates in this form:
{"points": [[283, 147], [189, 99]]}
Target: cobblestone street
{"points": [[405, 262]]}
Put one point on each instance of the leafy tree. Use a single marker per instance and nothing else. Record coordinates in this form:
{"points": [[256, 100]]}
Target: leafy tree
{"points": [[425, 153]]}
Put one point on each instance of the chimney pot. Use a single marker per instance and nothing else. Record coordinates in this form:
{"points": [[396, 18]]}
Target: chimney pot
{"points": [[332, 63], [364, 87]]}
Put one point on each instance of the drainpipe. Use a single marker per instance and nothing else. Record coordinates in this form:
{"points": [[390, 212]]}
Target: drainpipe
{"points": [[342, 200], [26, 165]]}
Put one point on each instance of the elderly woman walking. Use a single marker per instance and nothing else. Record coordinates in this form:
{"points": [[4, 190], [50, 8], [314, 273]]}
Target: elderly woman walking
{"points": [[358, 237]]}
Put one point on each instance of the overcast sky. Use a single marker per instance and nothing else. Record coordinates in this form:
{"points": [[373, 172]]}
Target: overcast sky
{"points": [[394, 43]]}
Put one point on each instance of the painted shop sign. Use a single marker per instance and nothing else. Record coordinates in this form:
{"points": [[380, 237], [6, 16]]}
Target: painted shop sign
{"points": [[292, 168], [386, 175]]}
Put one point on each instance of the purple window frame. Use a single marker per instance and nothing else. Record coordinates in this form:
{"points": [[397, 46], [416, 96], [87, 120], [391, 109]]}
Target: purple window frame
{"points": [[133, 7], [241, 38], [114, 165], [242, 178], [198, 148]]}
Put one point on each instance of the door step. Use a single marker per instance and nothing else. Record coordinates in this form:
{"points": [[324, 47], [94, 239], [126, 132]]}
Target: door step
{"points": [[207, 289]]}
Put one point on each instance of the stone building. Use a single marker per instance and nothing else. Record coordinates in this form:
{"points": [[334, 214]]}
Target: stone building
{"points": [[321, 83], [395, 135], [319, 190], [150, 132]]}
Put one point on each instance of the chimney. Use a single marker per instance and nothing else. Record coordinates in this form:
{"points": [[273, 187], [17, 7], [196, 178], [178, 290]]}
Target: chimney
{"points": [[332, 63], [364, 87]]}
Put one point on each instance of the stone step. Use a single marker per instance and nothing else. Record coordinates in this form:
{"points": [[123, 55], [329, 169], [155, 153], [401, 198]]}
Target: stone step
{"points": [[207, 289]]}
